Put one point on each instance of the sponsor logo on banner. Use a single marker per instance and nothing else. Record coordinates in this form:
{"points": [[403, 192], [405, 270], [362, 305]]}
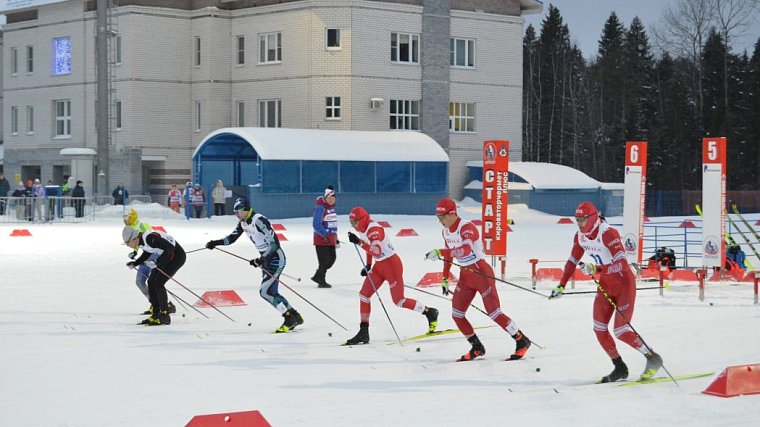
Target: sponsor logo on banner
{"points": [[489, 153], [712, 246], [630, 242]]}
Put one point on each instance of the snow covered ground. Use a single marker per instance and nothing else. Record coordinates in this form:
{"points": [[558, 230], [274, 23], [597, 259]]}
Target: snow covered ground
{"points": [[72, 354]]}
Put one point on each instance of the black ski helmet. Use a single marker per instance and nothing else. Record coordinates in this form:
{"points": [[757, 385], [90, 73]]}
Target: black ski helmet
{"points": [[241, 204]]}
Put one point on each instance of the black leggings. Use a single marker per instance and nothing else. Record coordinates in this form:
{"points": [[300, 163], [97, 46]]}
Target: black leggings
{"points": [[326, 259], [157, 279]]}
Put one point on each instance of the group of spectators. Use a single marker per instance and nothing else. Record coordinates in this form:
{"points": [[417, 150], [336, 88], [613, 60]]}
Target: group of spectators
{"points": [[37, 202], [194, 196]]}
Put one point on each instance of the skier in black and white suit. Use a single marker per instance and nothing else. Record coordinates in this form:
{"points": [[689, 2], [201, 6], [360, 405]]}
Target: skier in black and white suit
{"points": [[171, 257], [271, 259]]}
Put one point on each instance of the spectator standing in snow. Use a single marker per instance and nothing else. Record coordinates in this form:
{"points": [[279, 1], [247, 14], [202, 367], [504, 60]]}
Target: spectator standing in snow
{"points": [[218, 197], [325, 225]]}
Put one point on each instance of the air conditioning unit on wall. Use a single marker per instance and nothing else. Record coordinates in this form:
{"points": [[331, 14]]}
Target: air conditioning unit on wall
{"points": [[376, 103]]}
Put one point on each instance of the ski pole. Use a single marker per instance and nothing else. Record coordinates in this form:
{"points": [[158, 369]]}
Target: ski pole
{"points": [[622, 316], [301, 296], [374, 288], [593, 292], [443, 297], [471, 305], [297, 279], [198, 296], [194, 250], [491, 277], [183, 303]]}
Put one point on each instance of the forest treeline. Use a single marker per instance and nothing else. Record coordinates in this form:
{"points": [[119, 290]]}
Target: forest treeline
{"points": [[685, 85]]}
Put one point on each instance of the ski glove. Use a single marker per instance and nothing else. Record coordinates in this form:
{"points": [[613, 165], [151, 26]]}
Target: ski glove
{"points": [[557, 292], [445, 286], [433, 255], [256, 262], [588, 269], [132, 255], [211, 244], [131, 265], [365, 270], [353, 238]]}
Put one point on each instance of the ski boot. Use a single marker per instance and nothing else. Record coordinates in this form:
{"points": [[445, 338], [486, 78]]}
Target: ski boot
{"points": [[319, 279], [292, 319], [161, 318], [619, 373], [654, 363], [432, 317], [477, 350], [522, 344], [148, 312], [361, 337], [171, 308]]}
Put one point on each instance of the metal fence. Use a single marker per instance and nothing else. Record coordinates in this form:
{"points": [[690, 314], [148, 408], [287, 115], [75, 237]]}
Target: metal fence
{"points": [[59, 209]]}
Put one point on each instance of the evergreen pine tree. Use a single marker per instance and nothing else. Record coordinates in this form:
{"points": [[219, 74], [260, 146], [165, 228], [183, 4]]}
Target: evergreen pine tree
{"points": [[611, 90]]}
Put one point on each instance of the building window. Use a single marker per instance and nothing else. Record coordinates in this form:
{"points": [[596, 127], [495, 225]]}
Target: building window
{"points": [[117, 50], [29, 119], [14, 61], [117, 115], [270, 113], [14, 120], [197, 116], [240, 114], [405, 115], [61, 55], [241, 50], [197, 51], [30, 59], [62, 118], [462, 53], [405, 48], [461, 117], [333, 38], [270, 47], [332, 107]]}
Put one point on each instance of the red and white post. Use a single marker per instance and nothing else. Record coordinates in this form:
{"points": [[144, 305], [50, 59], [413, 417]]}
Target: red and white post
{"points": [[634, 196], [495, 199], [713, 202]]}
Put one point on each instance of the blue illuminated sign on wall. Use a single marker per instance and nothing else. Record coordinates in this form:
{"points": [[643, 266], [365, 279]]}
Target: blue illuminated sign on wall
{"points": [[62, 55]]}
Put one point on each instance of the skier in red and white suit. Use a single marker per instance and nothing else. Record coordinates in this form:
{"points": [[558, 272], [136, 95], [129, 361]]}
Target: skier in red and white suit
{"points": [[602, 242], [462, 241], [387, 267]]}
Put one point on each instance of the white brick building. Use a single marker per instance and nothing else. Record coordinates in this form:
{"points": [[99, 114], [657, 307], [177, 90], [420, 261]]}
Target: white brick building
{"points": [[181, 69]]}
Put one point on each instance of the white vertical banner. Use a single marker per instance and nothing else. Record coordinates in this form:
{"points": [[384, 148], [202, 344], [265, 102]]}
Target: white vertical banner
{"points": [[713, 201], [634, 196]]}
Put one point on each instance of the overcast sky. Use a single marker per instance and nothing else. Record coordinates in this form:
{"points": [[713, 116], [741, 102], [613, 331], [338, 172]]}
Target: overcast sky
{"points": [[586, 18]]}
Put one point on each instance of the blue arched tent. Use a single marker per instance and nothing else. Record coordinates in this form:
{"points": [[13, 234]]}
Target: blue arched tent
{"points": [[283, 170]]}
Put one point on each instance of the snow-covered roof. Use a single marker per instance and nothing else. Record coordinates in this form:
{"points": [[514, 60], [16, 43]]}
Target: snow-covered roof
{"points": [[612, 185], [344, 145], [478, 185], [549, 176], [78, 152]]}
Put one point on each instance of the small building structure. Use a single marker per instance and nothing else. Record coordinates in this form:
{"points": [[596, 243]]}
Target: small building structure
{"points": [[551, 188], [282, 170]]}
